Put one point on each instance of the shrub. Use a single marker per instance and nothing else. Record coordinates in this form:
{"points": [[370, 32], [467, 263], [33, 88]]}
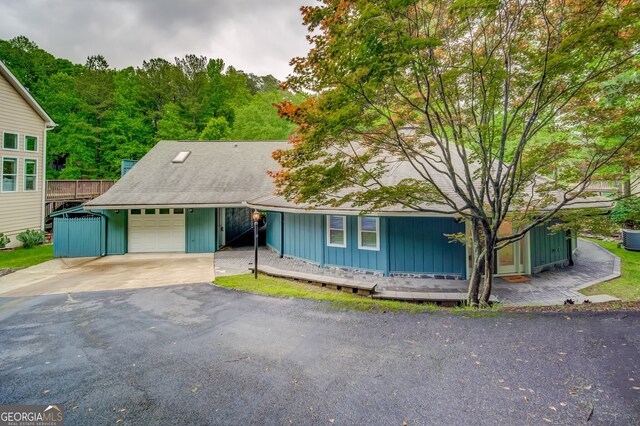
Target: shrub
{"points": [[627, 213], [4, 240], [31, 238]]}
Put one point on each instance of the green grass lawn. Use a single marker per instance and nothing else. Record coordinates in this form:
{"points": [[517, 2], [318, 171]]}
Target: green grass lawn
{"points": [[287, 288], [627, 287], [22, 258]]}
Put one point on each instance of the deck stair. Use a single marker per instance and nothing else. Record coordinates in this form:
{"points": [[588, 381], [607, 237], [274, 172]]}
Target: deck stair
{"points": [[368, 289], [335, 283]]}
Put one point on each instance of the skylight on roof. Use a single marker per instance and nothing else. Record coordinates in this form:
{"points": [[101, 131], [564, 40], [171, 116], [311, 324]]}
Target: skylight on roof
{"points": [[181, 157]]}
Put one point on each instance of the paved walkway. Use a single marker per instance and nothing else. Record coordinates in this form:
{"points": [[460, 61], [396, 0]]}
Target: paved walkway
{"points": [[593, 264]]}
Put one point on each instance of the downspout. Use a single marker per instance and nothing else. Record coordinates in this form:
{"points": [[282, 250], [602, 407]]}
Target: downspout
{"points": [[44, 176], [47, 126], [103, 244]]}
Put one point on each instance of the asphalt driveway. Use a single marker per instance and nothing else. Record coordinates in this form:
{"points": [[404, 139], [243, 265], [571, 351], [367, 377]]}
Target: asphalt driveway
{"points": [[200, 354], [60, 276]]}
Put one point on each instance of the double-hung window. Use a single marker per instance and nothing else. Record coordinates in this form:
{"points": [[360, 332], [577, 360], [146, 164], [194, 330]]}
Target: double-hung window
{"points": [[368, 233], [30, 143], [30, 175], [10, 140], [9, 174], [336, 231]]}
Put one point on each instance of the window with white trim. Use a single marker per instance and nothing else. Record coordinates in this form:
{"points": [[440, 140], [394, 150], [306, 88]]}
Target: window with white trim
{"points": [[30, 175], [336, 231], [368, 233], [9, 174], [30, 143], [10, 140]]}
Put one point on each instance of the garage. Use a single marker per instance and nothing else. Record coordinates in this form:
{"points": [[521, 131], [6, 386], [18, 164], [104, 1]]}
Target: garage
{"points": [[156, 230]]}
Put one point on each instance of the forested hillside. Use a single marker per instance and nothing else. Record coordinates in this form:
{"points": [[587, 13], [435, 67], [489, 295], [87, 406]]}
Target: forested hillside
{"points": [[105, 115]]}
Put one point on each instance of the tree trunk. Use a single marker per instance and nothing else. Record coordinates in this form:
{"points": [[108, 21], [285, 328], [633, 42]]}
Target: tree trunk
{"points": [[488, 271], [477, 268], [626, 182]]}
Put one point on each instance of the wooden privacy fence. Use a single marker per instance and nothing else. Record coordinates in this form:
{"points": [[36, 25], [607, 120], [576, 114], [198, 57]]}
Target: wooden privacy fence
{"points": [[76, 237], [76, 190]]}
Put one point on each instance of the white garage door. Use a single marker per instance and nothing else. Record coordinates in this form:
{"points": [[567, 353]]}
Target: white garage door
{"points": [[156, 230]]}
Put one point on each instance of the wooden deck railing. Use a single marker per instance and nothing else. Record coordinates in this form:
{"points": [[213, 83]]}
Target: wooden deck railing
{"points": [[76, 190], [601, 186]]}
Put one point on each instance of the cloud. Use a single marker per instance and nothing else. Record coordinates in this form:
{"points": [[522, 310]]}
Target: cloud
{"points": [[257, 36]]}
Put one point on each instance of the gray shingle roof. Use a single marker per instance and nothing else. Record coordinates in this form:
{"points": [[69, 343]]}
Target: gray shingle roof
{"points": [[401, 169], [231, 173], [215, 174]]}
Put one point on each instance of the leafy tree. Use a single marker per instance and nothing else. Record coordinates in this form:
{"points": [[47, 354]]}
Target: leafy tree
{"points": [[191, 88], [158, 80], [217, 129], [95, 86], [258, 120], [627, 213], [173, 126], [462, 93], [128, 133]]}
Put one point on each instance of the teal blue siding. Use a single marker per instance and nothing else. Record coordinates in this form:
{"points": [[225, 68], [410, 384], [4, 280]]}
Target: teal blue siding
{"points": [[126, 165], [407, 244], [77, 237], [116, 231], [548, 248], [351, 256], [418, 245], [303, 236], [274, 231], [200, 231]]}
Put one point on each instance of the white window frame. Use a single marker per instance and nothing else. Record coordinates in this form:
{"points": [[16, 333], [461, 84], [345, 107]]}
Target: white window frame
{"points": [[17, 141], [24, 138], [2, 174], [377, 232], [344, 230], [24, 175]]}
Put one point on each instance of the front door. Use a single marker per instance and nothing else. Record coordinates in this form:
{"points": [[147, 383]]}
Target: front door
{"points": [[510, 259]]}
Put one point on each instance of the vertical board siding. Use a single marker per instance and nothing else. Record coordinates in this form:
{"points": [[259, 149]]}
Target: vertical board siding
{"points": [[116, 231], [126, 165], [274, 230], [353, 257], [76, 237], [303, 236], [547, 247], [201, 230], [419, 245]]}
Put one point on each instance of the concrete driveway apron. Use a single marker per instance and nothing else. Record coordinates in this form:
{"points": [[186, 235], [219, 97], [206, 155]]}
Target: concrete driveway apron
{"points": [[128, 271]]}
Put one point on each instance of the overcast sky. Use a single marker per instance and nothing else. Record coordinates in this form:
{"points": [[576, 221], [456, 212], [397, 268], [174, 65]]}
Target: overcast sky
{"points": [[257, 36]]}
